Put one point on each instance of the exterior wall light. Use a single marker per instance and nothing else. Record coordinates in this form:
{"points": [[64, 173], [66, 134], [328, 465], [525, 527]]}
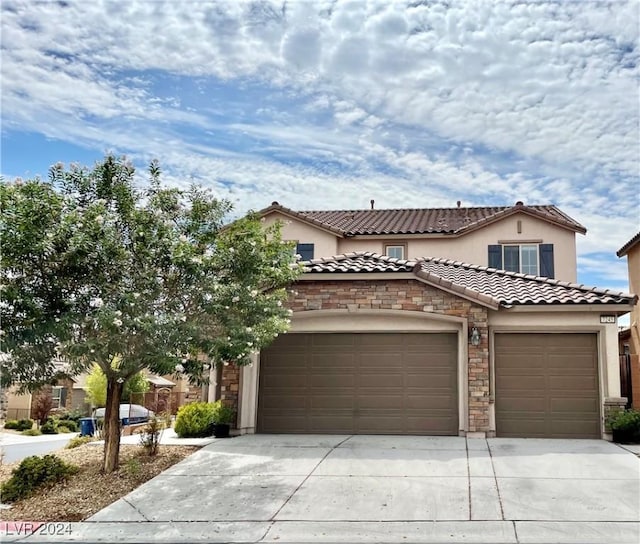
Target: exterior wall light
{"points": [[475, 336]]}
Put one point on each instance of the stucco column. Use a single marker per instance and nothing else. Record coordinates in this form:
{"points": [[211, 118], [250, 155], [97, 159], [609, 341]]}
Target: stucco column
{"points": [[612, 361], [248, 401]]}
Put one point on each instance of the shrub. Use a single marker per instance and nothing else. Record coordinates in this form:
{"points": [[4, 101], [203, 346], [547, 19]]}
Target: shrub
{"points": [[70, 424], [222, 413], [150, 436], [78, 441], [194, 420], [19, 425], [74, 415], [32, 432], [32, 473], [63, 429], [625, 425], [49, 428], [42, 405]]}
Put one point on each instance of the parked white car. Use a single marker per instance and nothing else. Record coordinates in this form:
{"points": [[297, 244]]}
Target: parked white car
{"points": [[129, 413]]}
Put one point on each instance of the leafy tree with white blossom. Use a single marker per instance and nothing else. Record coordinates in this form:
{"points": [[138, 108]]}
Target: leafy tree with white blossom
{"points": [[98, 271]]}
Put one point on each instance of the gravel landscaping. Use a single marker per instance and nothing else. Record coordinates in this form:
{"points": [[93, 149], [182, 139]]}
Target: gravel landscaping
{"points": [[88, 491]]}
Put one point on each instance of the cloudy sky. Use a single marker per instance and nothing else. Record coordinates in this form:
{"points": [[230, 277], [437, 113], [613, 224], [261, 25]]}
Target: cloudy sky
{"points": [[328, 104]]}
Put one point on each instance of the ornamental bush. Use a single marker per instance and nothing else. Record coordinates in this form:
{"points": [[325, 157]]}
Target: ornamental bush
{"points": [[19, 425], [49, 428], [69, 424], [222, 413], [195, 420], [32, 473], [625, 425], [78, 441]]}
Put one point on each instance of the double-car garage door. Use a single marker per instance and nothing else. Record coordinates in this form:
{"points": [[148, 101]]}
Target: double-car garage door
{"points": [[360, 383]]}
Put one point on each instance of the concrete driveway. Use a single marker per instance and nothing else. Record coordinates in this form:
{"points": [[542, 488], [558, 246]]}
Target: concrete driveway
{"points": [[285, 488]]}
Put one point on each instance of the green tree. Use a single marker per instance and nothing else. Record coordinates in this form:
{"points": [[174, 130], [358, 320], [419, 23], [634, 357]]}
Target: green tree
{"points": [[97, 386], [97, 270]]}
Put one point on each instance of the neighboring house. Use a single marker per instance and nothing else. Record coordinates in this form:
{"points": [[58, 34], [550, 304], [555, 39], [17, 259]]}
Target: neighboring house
{"points": [[429, 344], [538, 240], [630, 338], [69, 394]]}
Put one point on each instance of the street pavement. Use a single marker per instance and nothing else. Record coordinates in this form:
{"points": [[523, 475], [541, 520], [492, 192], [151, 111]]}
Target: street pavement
{"points": [[313, 488], [15, 447]]}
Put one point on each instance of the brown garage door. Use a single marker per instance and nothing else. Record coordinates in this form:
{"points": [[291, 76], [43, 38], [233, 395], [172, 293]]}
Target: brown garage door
{"points": [[359, 384], [547, 385]]}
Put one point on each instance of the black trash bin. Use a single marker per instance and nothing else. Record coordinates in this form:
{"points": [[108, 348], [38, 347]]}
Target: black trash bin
{"points": [[87, 426]]}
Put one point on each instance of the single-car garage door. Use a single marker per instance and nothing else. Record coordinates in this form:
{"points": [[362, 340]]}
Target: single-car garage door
{"points": [[378, 383], [547, 385]]}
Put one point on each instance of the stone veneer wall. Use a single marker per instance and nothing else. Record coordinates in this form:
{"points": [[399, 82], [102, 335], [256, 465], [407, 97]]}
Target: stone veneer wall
{"points": [[230, 386], [408, 295]]}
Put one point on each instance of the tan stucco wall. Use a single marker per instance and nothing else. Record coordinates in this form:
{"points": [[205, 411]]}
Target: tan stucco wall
{"points": [[294, 230], [470, 248], [17, 402], [633, 263]]}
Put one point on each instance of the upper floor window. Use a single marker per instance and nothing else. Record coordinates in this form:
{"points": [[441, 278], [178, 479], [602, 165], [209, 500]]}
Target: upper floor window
{"points": [[395, 252], [305, 251], [534, 259], [58, 397]]}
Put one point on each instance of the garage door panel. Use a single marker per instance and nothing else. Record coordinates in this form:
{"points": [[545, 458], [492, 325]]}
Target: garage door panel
{"points": [[286, 381], [376, 362], [288, 402], [327, 379], [521, 382], [522, 404], [573, 405], [290, 361], [438, 424], [547, 385], [572, 384], [572, 428], [326, 342], [330, 401], [383, 401], [431, 403], [381, 380], [328, 360]]}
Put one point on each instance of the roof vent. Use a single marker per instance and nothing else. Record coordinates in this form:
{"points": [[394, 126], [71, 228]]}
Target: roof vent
{"points": [[459, 203], [519, 203], [275, 203], [372, 203]]}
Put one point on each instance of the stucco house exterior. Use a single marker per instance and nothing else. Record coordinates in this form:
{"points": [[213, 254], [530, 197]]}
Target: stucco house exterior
{"points": [[631, 250], [435, 321]]}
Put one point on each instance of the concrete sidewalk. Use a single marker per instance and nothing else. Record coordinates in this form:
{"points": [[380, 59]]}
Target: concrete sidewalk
{"points": [[269, 488]]}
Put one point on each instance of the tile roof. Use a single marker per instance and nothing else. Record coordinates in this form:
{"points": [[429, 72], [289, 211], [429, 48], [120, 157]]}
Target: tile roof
{"points": [[488, 286], [422, 221], [625, 248]]}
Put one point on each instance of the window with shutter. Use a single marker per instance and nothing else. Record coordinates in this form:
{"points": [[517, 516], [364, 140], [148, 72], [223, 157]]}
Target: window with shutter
{"points": [[495, 257], [533, 259], [546, 260]]}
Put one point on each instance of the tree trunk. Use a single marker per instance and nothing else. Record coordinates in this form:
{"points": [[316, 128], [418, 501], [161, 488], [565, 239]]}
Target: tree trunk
{"points": [[112, 425]]}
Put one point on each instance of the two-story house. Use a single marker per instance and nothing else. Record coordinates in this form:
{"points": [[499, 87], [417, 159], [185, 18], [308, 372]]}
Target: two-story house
{"points": [[537, 240], [436, 321]]}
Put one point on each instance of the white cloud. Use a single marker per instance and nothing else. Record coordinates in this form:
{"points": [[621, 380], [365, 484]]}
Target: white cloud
{"points": [[409, 103]]}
